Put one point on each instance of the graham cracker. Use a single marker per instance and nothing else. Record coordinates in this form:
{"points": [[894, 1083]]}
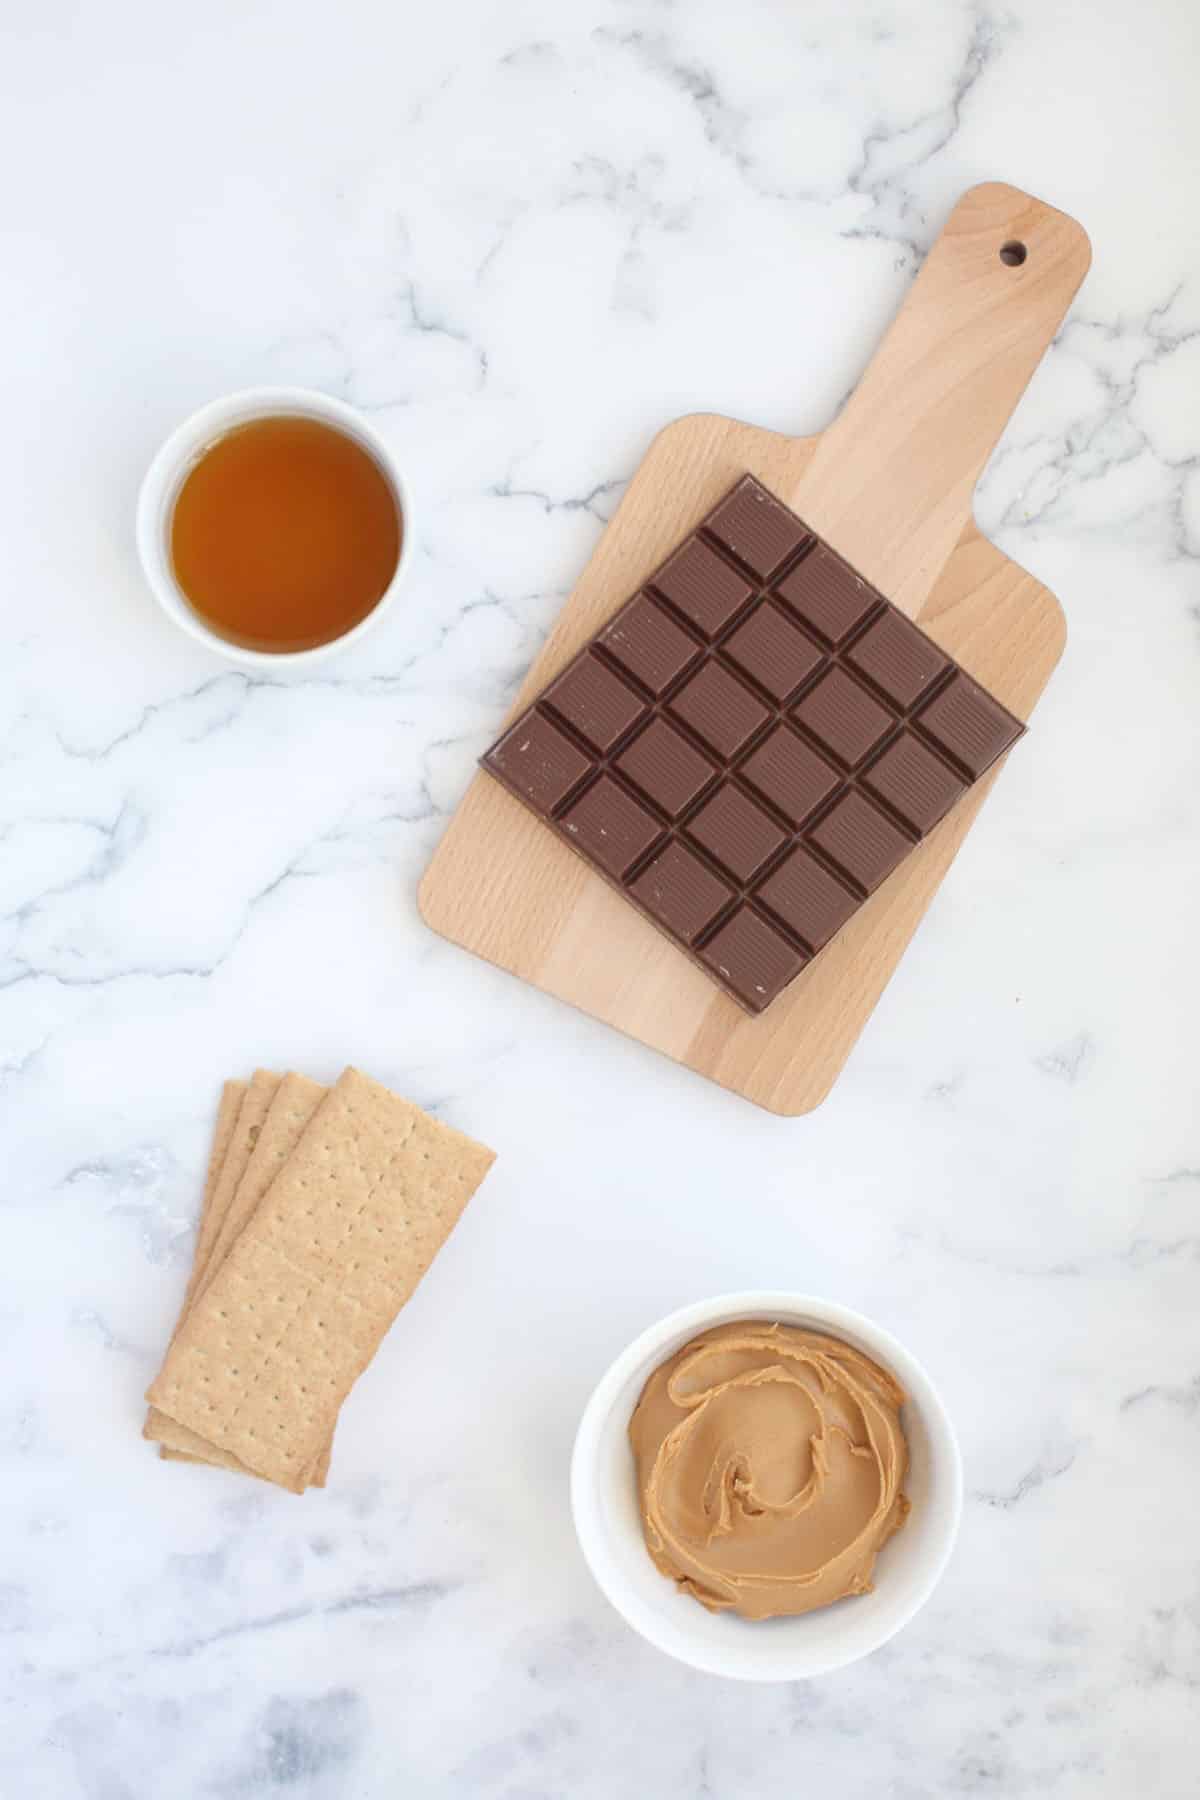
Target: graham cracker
{"points": [[178, 1444], [305, 1295], [293, 1104], [230, 1105], [295, 1100], [232, 1095], [256, 1100]]}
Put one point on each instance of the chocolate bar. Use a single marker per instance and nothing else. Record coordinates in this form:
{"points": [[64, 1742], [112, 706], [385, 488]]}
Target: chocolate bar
{"points": [[752, 745]]}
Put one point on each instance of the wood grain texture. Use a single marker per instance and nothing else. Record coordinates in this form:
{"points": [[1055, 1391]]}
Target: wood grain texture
{"points": [[889, 484]]}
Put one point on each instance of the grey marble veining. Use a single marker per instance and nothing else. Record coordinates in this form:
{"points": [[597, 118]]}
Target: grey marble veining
{"points": [[524, 238]]}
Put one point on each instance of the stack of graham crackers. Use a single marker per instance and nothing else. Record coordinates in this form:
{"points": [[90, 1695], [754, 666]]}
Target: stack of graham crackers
{"points": [[322, 1210]]}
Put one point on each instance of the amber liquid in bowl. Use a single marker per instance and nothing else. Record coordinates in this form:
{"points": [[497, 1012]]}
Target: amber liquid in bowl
{"points": [[285, 534]]}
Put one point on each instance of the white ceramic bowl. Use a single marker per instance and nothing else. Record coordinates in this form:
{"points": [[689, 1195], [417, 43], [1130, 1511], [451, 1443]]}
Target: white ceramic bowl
{"points": [[607, 1520], [188, 442]]}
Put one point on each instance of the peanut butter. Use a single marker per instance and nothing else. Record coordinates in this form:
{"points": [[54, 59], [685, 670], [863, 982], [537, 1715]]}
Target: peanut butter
{"points": [[770, 1462]]}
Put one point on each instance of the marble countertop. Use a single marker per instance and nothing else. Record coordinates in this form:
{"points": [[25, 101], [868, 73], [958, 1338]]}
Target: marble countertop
{"points": [[523, 238]]}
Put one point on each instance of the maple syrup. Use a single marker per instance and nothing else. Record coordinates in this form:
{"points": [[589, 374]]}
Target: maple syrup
{"points": [[285, 534]]}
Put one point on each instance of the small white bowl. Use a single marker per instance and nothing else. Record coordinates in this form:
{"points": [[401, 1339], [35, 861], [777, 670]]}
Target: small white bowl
{"points": [[605, 1505], [188, 442]]}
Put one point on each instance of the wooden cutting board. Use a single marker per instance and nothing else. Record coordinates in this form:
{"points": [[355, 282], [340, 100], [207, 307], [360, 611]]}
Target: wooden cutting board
{"points": [[890, 485]]}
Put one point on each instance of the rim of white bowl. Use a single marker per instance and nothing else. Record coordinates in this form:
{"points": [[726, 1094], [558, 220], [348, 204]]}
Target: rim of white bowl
{"points": [[652, 1347], [184, 447]]}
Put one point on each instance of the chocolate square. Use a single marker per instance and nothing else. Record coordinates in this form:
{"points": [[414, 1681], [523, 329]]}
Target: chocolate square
{"points": [[789, 773], [666, 768], [969, 725], [681, 892], [736, 833], [701, 585], [719, 709], [860, 839], [649, 644], [915, 783], [807, 898], [773, 652], [760, 530], [827, 595], [898, 658], [610, 827], [538, 762], [752, 959], [595, 701], [844, 717]]}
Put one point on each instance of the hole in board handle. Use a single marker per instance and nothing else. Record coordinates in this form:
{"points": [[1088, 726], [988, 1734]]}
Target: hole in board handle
{"points": [[1013, 253]]}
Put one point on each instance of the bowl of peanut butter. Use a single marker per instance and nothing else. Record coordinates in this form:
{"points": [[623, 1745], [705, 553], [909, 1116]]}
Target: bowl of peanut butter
{"points": [[766, 1485]]}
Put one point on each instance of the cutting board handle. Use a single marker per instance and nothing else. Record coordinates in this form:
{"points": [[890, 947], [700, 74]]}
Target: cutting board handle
{"points": [[910, 443]]}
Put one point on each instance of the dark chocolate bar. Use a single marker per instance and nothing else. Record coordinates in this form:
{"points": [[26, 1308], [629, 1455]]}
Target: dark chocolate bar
{"points": [[752, 745]]}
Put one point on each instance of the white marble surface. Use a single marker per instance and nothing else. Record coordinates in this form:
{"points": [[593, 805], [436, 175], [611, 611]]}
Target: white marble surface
{"points": [[523, 237]]}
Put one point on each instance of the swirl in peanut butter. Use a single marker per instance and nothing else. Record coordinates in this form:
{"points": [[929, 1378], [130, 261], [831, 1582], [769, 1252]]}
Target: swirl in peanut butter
{"points": [[770, 1462]]}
